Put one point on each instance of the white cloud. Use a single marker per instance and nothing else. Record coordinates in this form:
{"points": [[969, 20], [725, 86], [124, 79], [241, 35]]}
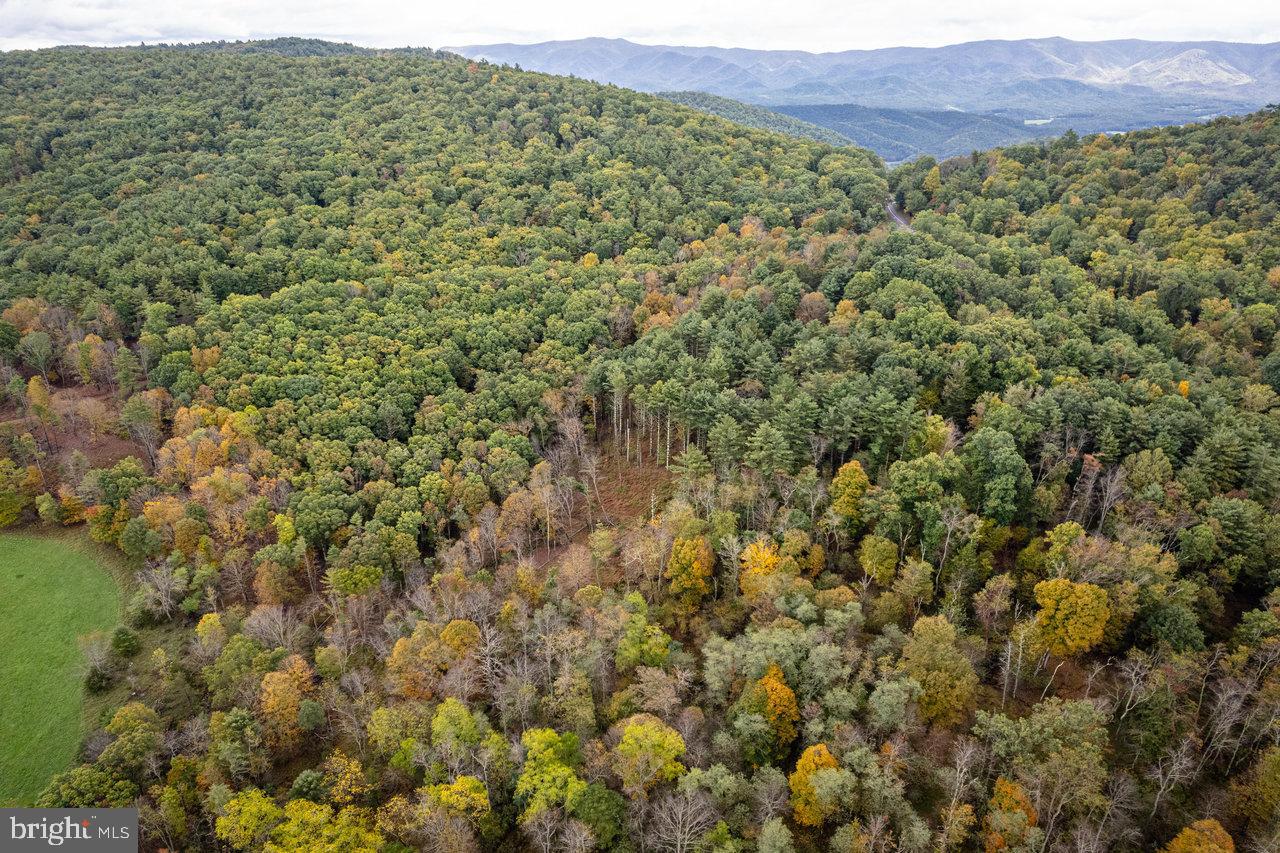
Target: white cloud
{"points": [[799, 24]]}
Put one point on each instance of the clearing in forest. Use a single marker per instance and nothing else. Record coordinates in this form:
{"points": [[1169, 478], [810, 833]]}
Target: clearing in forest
{"points": [[53, 592]]}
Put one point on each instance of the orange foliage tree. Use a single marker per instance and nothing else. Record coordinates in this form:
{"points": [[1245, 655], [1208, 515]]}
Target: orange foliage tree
{"points": [[1010, 815]]}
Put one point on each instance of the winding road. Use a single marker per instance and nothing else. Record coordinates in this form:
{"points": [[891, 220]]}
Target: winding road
{"points": [[899, 218]]}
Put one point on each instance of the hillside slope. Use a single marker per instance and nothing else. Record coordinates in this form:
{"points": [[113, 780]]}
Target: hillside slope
{"points": [[898, 135], [758, 117], [521, 462]]}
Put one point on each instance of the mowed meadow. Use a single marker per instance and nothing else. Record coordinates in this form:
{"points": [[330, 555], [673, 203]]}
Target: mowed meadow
{"points": [[54, 592]]}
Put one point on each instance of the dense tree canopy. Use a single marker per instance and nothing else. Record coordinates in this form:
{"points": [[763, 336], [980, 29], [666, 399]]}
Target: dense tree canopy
{"points": [[513, 462]]}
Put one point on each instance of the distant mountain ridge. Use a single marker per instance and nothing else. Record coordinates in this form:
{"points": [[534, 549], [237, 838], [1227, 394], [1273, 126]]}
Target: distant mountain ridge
{"points": [[900, 134], [893, 99], [895, 134], [962, 76]]}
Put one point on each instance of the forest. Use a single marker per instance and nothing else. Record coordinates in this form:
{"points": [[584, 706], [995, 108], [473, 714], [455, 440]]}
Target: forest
{"points": [[511, 462], [752, 115]]}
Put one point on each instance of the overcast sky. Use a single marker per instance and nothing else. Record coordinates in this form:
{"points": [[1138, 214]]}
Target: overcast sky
{"points": [[797, 24]]}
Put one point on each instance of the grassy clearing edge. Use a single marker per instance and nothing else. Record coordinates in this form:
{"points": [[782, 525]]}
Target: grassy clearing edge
{"points": [[65, 548]]}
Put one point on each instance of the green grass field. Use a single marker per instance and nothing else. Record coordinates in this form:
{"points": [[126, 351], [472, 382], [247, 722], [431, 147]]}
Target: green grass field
{"points": [[53, 590]]}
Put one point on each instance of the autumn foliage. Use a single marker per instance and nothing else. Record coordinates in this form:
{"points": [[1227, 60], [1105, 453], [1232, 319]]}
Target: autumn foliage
{"points": [[1072, 616], [804, 802]]}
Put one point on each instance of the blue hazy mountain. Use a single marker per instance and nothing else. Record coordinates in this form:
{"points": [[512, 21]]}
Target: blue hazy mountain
{"points": [[996, 91]]}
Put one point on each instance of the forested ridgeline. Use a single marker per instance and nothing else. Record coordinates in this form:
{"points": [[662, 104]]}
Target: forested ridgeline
{"points": [[537, 464], [756, 116]]}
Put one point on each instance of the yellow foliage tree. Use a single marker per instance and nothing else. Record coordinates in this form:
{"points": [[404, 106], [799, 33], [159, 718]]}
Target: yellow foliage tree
{"points": [[957, 822], [39, 398], [760, 564], [345, 778], [418, 662], [465, 797], [878, 557], [848, 487], [817, 560], [780, 708], [211, 633], [1073, 616], [689, 569], [774, 703], [933, 181], [280, 701], [647, 754], [72, 507], [804, 799], [932, 658], [1203, 836], [1257, 797]]}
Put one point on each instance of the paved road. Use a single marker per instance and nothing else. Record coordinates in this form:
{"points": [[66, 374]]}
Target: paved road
{"points": [[899, 218]]}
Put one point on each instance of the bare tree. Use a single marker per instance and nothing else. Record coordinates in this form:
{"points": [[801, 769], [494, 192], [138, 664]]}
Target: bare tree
{"points": [[1095, 672], [1113, 826], [1265, 841], [484, 537], [1012, 662], [691, 724], [275, 626], [770, 793], [162, 589], [1176, 767], [1081, 505], [1133, 682], [730, 553], [589, 471], [236, 575], [571, 434], [959, 524], [1113, 491], [349, 715], [576, 837], [877, 833], [577, 569], [657, 692], [97, 651], [543, 829], [516, 698], [440, 832], [491, 656], [678, 821], [991, 603], [964, 761]]}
